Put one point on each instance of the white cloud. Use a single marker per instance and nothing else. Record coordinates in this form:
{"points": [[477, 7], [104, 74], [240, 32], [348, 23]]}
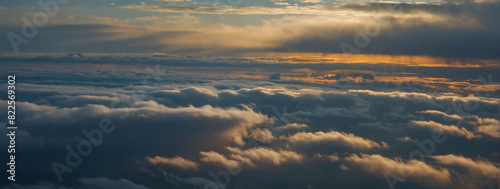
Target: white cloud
{"points": [[483, 127], [253, 157], [479, 173], [332, 158], [103, 183], [262, 135], [214, 157], [334, 137], [440, 113], [489, 127], [263, 155], [449, 129], [296, 126], [405, 139], [418, 171], [176, 161]]}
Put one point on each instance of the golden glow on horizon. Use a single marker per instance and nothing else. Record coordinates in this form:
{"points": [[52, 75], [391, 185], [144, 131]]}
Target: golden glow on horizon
{"points": [[409, 60], [297, 58]]}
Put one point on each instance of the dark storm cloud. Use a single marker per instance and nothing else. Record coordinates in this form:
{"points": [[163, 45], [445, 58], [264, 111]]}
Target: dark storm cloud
{"points": [[414, 36]]}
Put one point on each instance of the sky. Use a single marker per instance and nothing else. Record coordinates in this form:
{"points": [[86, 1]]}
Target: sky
{"points": [[252, 94]]}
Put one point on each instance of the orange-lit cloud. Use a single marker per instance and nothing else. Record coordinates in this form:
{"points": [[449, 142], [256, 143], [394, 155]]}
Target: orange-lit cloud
{"points": [[251, 157], [473, 173], [449, 129], [479, 168], [334, 137], [417, 171], [176, 161]]}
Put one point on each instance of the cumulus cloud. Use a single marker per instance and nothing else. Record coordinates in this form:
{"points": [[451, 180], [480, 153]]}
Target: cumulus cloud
{"points": [[252, 157], [335, 138], [199, 182], [485, 128], [237, 121], [103, 183], [264, 136], [418, 171], [262, 155], [44, 185], [478, 173], [449, 129], [405, 139], [426, 97], [214, 157], [442, 114], [94, 183], [482, 168], [204, 122], [489, 127], [332, 158], [176, 161], [295, 126], [292, 127]]}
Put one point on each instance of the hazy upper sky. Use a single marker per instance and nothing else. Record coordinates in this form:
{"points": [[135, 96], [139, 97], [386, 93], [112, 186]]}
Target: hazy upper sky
{"points": [[458, 31]]}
